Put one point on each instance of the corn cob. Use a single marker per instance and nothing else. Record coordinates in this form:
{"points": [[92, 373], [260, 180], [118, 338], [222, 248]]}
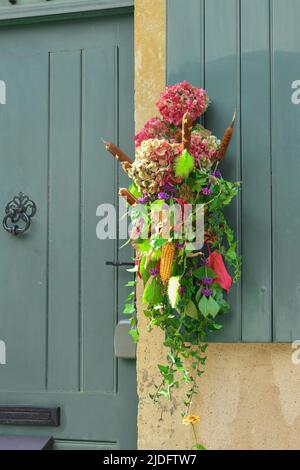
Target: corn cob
{"points": [[226, 139], [166, 262]]}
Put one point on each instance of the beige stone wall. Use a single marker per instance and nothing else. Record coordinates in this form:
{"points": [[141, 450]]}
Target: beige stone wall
{"points": [[250, 394]]}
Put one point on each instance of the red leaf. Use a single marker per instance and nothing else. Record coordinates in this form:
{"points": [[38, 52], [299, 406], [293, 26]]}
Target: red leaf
{"points": [[216, 263]]}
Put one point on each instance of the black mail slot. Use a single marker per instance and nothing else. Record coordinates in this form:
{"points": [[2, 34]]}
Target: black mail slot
{"points": [[29, 415]]}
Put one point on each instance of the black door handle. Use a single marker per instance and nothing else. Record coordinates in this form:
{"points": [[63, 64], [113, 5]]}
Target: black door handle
{"points": [[117, 265]]}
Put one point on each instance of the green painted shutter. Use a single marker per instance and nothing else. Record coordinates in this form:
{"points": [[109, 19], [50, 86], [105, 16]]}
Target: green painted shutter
{"points": [[246, 54]]}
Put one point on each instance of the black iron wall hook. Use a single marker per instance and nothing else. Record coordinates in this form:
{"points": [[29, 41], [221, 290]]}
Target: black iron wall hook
{"points": [[19, 209]]}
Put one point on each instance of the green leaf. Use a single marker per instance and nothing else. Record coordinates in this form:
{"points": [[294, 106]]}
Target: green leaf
{"points": [[191, 310], [129, 309], [134, 190], [163, 369], [152, 293], [130, 284], [208, 306], [198, 295], [215, 326], [143, 246], [199, 273], [213, 307], [204, 271], [203, 306], [134, 335], [173, 290], [184, 164], [144, 271], [158, 243], [199, 447]]}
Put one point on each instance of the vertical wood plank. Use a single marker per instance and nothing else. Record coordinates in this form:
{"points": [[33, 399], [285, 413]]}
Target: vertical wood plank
{"points": [[222, 79], [98, 186], [256, 172], [185, 46], [64, 153], [204, 48], [23, 167], [286, 167]]}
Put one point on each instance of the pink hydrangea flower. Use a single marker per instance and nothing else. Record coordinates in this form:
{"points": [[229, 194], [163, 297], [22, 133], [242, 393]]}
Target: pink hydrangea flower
{"points": [[154, 128], [178, 99], [204, 146]]}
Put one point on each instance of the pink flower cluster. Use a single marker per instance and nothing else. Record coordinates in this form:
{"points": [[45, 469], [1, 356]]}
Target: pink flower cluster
{"points": [[154, 128], [178, 99], [163, 152], [204, 147]]}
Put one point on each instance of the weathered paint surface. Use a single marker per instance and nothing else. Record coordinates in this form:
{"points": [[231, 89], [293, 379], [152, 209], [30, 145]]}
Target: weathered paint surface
{"points": [[249, 396]]}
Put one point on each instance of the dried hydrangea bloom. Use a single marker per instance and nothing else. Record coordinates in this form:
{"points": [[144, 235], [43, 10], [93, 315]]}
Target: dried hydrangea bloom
{"points": [[152, 167], [204, 148], [178, 99]]}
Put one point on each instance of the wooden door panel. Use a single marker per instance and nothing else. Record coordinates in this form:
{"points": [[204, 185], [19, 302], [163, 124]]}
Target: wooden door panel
{"points": [[23, 167], [69, 84]]}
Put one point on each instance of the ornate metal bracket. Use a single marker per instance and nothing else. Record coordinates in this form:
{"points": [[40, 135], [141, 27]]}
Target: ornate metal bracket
{"points": [[19, 209]]}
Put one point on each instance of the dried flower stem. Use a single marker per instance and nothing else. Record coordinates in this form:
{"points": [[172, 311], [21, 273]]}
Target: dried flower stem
{"points": [[127, 196], [226, 139], [116, 152], [187, 126]]}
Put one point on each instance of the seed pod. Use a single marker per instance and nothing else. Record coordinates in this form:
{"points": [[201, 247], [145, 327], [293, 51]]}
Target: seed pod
{"points": [[226, 139], [166, 262]]}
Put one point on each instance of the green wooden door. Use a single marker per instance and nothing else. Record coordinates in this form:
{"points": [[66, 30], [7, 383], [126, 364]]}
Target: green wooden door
{"points": [[67, 85]]}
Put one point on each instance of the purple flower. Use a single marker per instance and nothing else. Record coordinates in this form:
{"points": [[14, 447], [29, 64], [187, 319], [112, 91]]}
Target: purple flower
{"points": [[182, 290], [217, 173], [180, 245], [163, 195], [169, 188], [206, 191], [207, 280], [154, 271], [207, 292], [144, 199]]}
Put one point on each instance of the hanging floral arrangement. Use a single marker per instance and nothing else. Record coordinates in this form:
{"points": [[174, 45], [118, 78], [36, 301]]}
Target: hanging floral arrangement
{"points": [[184, 245]]}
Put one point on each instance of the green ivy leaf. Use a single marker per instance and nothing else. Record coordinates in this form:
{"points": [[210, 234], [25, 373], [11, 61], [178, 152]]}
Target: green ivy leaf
{"points": [[144, 271], [198, 295], [203, 306], [143, 246], [152, 293], [204, 271], [199, 447], [215, 326], [163, 369], [191, 310], [157, 243], [129, 309], [130, 284], [213, 307], [208, 306], [134, 335]]}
